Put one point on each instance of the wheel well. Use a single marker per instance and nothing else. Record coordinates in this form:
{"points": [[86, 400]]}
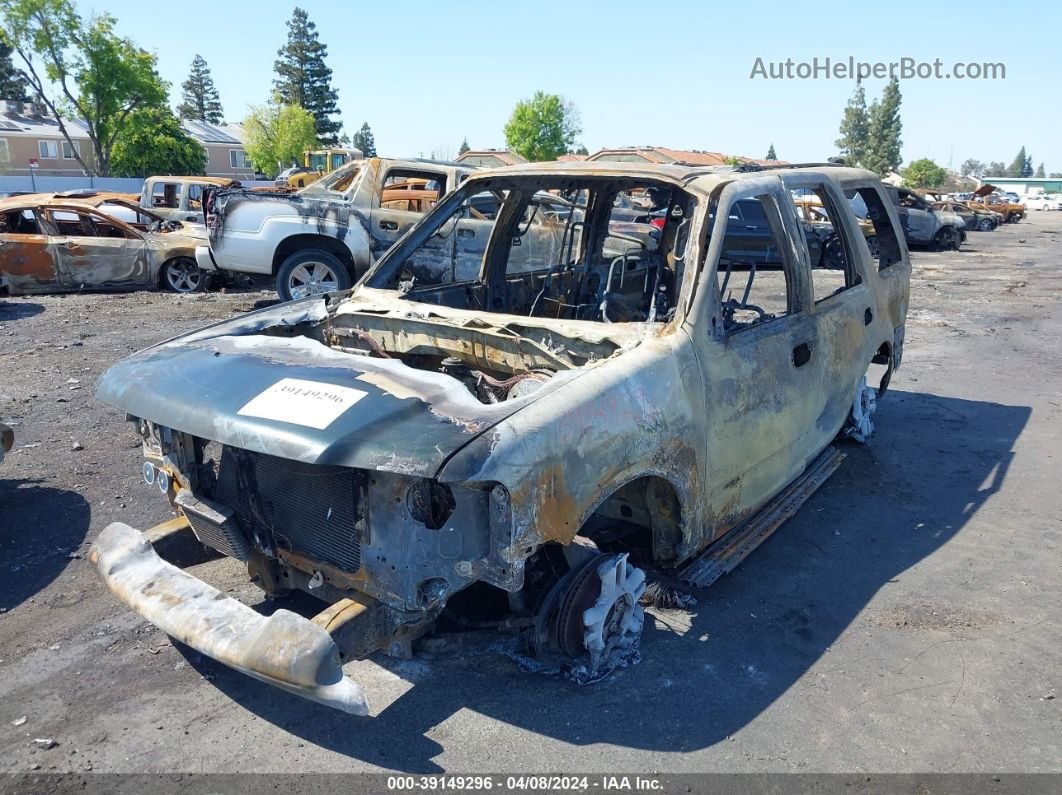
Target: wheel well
{"points": [[290, 245], [646, 513]]}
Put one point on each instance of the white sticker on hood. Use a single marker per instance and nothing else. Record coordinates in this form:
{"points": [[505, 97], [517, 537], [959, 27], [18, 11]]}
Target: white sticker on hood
{"points": [[308, 403]]}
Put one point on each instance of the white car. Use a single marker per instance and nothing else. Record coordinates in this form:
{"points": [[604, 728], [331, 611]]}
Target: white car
{"points": [[1041, 202]]}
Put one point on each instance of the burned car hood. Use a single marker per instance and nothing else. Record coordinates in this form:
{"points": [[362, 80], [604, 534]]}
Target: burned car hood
{"points": [[254, 384]]}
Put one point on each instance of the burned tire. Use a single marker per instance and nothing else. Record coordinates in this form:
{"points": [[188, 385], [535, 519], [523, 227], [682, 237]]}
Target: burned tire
{"points": [[311, 272], [985, 225], [947, 239], [182, 275]]}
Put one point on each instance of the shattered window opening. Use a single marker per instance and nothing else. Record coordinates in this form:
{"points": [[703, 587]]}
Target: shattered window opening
{"points": [[342, 181], [574, 249], [827, 243], [752, 277]]}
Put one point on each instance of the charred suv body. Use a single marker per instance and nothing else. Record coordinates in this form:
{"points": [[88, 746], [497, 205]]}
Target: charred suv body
{"points": [[511, 410]]}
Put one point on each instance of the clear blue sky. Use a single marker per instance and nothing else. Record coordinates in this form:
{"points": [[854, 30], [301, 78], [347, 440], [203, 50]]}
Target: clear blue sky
{"points": [[425, 75]]}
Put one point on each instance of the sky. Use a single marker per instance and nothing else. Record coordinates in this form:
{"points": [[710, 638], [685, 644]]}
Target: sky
{"points": [[426, 75]]}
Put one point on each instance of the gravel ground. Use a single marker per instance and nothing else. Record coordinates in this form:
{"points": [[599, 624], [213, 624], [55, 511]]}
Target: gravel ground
{"points": [[907, 620]]}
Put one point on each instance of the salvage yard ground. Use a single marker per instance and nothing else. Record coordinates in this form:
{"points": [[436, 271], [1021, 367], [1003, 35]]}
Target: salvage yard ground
{"points": [[909, 618]]}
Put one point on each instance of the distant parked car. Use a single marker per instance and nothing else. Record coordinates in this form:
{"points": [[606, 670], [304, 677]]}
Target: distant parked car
{"points": [[973, 217], [989, 197], [1041, 202]]}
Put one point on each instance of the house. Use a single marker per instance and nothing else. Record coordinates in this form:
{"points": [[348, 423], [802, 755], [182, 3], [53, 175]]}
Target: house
{"points": [[31, 143], [660, 154], [224, 148], [491, 158]]}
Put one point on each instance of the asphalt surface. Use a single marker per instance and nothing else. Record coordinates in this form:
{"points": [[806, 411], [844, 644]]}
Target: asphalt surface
{"points": [[908, 619]]}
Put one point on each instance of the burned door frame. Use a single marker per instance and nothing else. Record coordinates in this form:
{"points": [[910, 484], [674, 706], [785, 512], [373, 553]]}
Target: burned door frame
{"points": [[28, 260], [387, 226], [123, 261], [756, 378]]}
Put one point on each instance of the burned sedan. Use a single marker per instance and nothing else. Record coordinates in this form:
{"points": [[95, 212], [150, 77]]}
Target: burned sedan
{"points": [[533, 422], [53, 243]]}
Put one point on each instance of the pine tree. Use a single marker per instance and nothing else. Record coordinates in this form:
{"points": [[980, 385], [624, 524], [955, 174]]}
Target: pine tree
{"points": [[464, 146], [1017, 166], [199, 95], [884, 128], [1040, 171], [364, 141], [12, 83], [770, 153], [304, 79], [854, 128]]}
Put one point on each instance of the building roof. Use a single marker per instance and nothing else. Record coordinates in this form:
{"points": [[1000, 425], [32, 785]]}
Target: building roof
{"points": [[207, 133], [663, 154], [504, 155], [572, 158], [25, 118]]}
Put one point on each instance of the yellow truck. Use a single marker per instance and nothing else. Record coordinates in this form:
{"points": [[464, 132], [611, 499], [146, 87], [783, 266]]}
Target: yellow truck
{"points": [[315, 165]]}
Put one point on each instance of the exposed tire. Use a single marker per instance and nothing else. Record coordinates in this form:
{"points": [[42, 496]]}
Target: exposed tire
{"points": [[182, 275], [311, 272], [985, 225], [1013, 218], [947, 239]]}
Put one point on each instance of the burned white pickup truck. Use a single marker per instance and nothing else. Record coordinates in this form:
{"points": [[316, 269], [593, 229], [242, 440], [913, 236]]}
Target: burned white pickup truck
{"points": [[531, 428]]}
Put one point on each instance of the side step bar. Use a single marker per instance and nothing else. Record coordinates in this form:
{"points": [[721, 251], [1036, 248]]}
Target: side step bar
{"points": [[726, 554]]}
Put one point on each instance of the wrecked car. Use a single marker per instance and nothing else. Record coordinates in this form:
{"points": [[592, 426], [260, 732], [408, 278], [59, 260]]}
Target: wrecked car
{"points": [[988, 198], [180, 198], [51, 243], [925, 226], [974, 219], [325, 236], [522, 434]]}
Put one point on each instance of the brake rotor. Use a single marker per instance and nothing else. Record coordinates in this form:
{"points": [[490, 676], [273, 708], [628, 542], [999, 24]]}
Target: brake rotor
{"points": [[596, 612]]}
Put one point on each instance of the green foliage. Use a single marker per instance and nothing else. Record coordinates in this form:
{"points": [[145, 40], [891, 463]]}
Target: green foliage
{"points": [[971, 167], [85, 70], [581, 150], [854, 129], [364, 141], [199, 95], [733, 160], [277, 136], [154, 143], [770, 153], [12, 83], [1040, 172], [303, 78], [995, 169], [542, 128], [464, 146], [924, 173], [883, 131], [1021, 166]]}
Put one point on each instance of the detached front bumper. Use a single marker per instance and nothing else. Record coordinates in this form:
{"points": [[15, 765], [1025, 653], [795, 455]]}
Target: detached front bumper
{"points": [[283, 649]]}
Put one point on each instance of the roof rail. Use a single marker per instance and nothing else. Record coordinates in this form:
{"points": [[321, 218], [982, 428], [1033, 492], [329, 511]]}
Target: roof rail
{"points": [[832, 163]]}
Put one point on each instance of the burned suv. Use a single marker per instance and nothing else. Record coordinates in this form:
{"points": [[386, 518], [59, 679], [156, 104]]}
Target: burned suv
{"points": [[534, 421]]}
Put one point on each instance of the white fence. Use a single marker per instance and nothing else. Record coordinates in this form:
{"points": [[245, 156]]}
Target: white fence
{"points": [[34, 184]]}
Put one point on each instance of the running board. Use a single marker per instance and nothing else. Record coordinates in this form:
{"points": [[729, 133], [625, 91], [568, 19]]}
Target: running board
{"points": [[726, 554]]}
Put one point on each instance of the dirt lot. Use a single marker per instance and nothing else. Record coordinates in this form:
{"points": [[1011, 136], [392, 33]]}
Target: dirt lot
{"points": [[908, 619]]}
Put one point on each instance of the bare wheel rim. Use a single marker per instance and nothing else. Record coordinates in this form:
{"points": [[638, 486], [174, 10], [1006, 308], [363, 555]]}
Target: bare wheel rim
{"points": [[312, 278], [183, 276]]}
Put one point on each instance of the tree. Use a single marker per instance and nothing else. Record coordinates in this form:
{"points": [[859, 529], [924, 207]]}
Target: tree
{"points": [[1040, 172], [883, 131], [12, 83], [1017, 165], [99, 77], [364, 141], [199, 96], [995, 169], [1055, 175], [924, 173], [770, 153], [971, 168], [303, 78], [854, 129], [581, 150], [277, 135], [154, 143], [464, 146], [543, 127]]}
